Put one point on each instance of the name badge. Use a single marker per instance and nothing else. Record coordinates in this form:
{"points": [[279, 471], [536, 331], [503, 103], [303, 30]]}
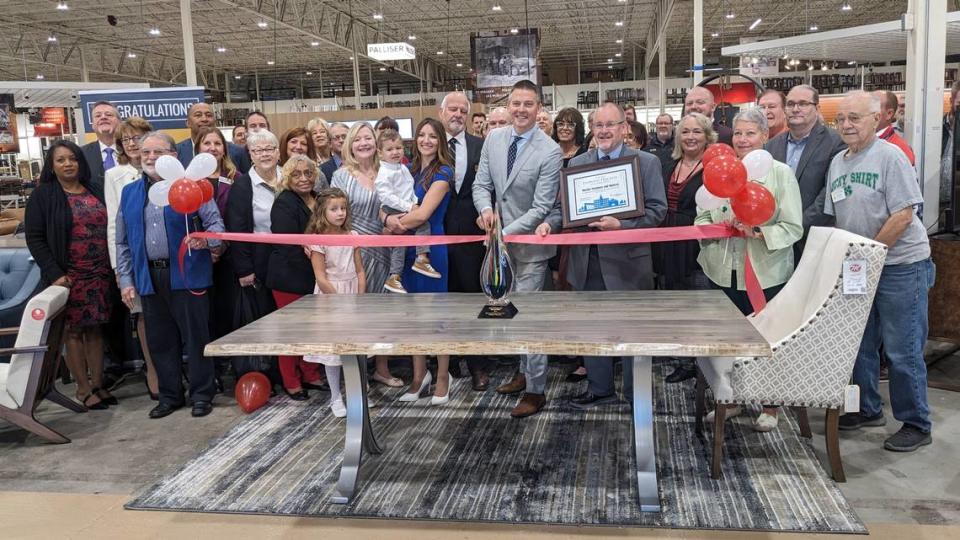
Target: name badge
{"points": [[838, 195], [855, 276]]}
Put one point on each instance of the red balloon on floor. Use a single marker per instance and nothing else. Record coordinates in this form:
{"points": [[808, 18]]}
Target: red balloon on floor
{"points": [[185, 196], [724, 176], [206, 188], [252, 391], [754, 205], [716, 150]]}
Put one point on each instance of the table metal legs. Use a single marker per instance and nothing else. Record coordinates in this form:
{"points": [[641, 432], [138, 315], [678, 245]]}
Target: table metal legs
{"points": [[360, 435], [643, 437]]}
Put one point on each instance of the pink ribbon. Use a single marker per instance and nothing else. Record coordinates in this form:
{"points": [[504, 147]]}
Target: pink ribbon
{"points": [[625, 236]]}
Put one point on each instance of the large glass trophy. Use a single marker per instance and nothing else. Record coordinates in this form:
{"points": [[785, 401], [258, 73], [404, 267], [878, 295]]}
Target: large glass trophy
{"points": [[496, 275]]}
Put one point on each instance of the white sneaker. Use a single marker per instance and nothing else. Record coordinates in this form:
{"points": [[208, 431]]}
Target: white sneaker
{"points": [[422, 266], [730, 413], [765, 422], [338, 408], [393, 284]]}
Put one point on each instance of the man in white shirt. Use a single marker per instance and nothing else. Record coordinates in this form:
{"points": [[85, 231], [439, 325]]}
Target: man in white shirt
{"points": [[101, 154]]}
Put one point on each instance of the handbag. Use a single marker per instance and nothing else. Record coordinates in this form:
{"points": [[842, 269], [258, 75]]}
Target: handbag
{"points": [[253, 302]]}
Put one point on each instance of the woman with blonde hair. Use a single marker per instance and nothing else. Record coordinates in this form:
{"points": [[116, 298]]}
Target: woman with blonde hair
{"points": [[355, 178], [319, 131]]}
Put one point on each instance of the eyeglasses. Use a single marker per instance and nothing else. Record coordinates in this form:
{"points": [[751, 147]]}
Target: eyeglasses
{"points": [[566, 125], [800, 104], [609, 125], [303, 174], [130, 140], [262, 151], [339, 137]]}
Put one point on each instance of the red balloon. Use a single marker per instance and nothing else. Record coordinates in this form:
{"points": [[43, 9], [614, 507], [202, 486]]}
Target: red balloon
{"points": [[716, 150], [754, 205], [724, 176], [185, 196], [207, 188], [252, 391]]}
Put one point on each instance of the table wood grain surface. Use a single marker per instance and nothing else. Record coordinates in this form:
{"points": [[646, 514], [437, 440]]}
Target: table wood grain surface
{"points": [[634, 323]]}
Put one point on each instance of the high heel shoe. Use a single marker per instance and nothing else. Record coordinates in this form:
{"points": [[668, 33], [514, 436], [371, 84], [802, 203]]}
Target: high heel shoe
{"points": [[441, 400], [424, 386]]}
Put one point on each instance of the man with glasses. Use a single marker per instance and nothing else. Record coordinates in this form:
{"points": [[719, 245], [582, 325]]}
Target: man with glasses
{"points": [[101, 154], [873, 191], [807, 147], [623, 267], [661, 144], [519, 171], [177, 319], [700, 100], [338, 134], [200, 115]]}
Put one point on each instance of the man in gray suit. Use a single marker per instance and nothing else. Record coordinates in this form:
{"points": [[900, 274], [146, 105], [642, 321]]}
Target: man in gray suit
{"points": [[807, 147], [624, 267], [520, 166]]}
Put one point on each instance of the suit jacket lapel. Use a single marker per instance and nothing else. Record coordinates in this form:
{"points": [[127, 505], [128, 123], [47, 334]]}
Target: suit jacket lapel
{"points": [[810, 148]]}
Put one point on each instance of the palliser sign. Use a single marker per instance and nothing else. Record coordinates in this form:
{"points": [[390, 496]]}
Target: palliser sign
{"points": [[391, 51]]}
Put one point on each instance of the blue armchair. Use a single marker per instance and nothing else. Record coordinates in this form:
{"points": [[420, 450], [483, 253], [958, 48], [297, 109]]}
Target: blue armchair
{"points": [[19, 281]]}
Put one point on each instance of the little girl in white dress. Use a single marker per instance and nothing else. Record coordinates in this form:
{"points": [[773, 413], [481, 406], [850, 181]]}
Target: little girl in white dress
{"points": [[338, 270]]}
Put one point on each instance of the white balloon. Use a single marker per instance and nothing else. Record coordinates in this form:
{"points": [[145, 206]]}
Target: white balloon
{"points": [[159, 191], [169, 168], [708, 201], [758, 163], [202, 166]]}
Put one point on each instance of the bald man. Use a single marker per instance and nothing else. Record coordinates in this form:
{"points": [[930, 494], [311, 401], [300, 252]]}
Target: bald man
{"points": [[888, 116], [498, 118], [700, 99]]}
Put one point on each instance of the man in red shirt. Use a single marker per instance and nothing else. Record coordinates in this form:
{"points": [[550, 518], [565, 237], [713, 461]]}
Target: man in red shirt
{"points": [[888, 116]]}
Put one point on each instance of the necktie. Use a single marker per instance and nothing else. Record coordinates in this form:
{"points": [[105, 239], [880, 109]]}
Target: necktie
{"points": [[108, 162], [605, 158], [512, 154], [453, 148]]}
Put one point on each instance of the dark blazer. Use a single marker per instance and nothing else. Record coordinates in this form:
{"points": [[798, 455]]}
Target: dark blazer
{"points": [[624, 267], [678, 259], [662, 150], [289, 269], [328, 168], [48, 222], [823, 144], [465, 260], [245, 257], [91, 151]]}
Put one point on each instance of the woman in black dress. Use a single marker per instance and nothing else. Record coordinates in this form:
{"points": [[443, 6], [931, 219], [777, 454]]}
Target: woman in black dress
{"points": [[66, 232]]}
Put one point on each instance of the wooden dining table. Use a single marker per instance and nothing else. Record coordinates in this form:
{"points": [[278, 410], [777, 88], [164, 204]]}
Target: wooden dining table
{"points": [[639, 325]]}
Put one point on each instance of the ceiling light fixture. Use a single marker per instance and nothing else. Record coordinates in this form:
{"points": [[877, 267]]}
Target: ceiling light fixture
{"points": [[619, 41], [411, 37], [514, 31], [51, 39], [308, 73], [814, 27], [823, 67], [755, 24], [731, 15], [62, 6], [314, 43], [714, 34], [810, 67], [383, 69], [221, 49], [496, 7], [852, 63], [439, 53], [618, 23], [609, 60], [262, 24], [154, 31], [131, 55], [39, 76], [618, 55], [845, 7], [459, 64], [270, 62], [377, 16]]}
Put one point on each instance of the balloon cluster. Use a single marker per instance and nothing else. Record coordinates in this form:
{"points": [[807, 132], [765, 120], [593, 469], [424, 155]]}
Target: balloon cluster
{"points": [[726, 177], [184, 190]]}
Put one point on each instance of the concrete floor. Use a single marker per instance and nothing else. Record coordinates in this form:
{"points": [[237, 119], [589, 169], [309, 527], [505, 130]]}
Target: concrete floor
{"points": [[118, 452]]}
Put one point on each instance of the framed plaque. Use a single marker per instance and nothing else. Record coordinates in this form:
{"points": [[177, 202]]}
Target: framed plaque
{"points": [[605, 188]]}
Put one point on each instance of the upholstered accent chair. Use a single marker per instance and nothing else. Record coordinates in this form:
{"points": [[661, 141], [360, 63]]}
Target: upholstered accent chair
{"points": [[29, 377], [814, 330]]}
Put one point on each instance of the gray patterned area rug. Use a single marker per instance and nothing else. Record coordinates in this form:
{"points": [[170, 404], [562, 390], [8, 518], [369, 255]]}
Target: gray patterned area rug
{"points": [[470, 461]]}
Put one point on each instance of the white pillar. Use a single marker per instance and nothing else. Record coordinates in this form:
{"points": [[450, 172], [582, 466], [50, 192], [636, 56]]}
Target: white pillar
{"points": [[926, 46], [697, 41], [356, 79], [662, 64], [226, 87], [84, 72], [189, 59], [256, 83], [320, 78]]}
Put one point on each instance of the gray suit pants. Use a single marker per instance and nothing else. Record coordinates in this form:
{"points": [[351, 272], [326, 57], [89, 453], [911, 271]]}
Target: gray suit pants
{"points": [[530, 277], [600, 368]]}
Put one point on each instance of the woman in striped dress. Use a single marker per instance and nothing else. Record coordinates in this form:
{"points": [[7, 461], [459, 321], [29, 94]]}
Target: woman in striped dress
{"points": [[355, 178]]}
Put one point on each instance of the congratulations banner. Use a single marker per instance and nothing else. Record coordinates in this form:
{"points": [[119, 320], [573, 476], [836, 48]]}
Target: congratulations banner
{"points": [[164, 108]]}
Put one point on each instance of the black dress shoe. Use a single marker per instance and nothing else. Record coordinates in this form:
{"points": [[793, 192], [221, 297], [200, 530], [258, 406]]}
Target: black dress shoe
{"points": [[162, 410], [302, 395], [575, 377], [681, 374], [587, 400], [322, 387], [481, 381], [201, 408]]}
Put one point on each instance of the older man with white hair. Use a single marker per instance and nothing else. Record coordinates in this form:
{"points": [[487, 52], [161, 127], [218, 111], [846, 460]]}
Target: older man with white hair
{"points": [[872, 190], [498, 118]]}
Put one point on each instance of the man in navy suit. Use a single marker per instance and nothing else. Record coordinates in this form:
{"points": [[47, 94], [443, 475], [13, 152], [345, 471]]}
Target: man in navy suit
{"points": [[101, 154], [338, 134], [200, 115]]}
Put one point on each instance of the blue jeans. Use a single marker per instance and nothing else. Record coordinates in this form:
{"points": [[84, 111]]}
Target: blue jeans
{"points": [[898, 320]]}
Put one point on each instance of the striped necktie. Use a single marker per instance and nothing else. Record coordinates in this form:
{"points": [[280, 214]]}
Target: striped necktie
{"points": [[512, 154]]}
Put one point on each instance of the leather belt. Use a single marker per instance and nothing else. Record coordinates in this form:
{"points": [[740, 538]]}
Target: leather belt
{"points": [[160, 263]]}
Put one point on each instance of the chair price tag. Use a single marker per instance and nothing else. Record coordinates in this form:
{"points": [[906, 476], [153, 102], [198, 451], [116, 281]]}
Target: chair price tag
{"points": [[851, 399], [854, 276]]}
